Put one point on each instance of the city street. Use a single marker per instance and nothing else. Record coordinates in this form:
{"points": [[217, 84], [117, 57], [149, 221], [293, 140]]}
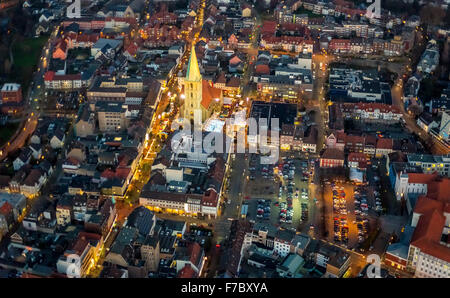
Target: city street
{"points": [[234, 193], [436, 146]]}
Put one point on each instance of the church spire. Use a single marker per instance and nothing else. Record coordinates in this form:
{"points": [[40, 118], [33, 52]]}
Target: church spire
{"points": [[193, 71]]}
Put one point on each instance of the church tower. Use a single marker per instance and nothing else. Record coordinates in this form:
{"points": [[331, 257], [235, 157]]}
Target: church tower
{"points": [[192, 88]]}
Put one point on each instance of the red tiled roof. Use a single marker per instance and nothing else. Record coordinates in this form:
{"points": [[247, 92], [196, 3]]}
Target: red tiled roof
{"points": [[299, 28], [358, 157], [371, 107], [49, 75], [427, 235], [433, 249], [209, 93], [221, 79], [217, 172], [72, 160], [6, 208], [269, 27], [336, 41], [425, 205], [429, 227], [234, 82], [194, 251], [235, 60], [354, 139], [447, 209], [108, 174], [420, 178], [69, 77], [210, 198], [132, 49], [83, 240], [385, 143], [186, 272], [332, 153], [285, 39], [341, 137], [232, 38], [371, 140], [440, 190], [131, 21], [87, 38], [123, 159], [62, 44], [262, 69], [33, 178], [122, 172]]}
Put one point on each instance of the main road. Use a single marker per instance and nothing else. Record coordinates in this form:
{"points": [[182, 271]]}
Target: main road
{"points": [[153, 142], [435, 145], [33, 99]]}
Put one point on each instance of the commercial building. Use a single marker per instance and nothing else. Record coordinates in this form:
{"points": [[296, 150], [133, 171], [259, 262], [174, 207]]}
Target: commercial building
{"points": [[112, 116], [350, 85], [431, 163], [429, 251], [181, 203], [11, 93], [332, 158]]}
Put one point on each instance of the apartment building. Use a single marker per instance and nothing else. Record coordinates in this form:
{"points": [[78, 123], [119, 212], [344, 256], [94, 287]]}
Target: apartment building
{"points": [[112, 116], [11, 93], [429, 251], [180, 203], [431, 163]]}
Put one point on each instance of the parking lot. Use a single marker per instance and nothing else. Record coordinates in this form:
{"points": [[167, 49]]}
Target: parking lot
{"points": [[63, 101], [200, 235], [348, 215], [279, 193]]}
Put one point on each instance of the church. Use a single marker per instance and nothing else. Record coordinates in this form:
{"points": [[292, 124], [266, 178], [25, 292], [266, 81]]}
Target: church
{"points": [[199, 93]]}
